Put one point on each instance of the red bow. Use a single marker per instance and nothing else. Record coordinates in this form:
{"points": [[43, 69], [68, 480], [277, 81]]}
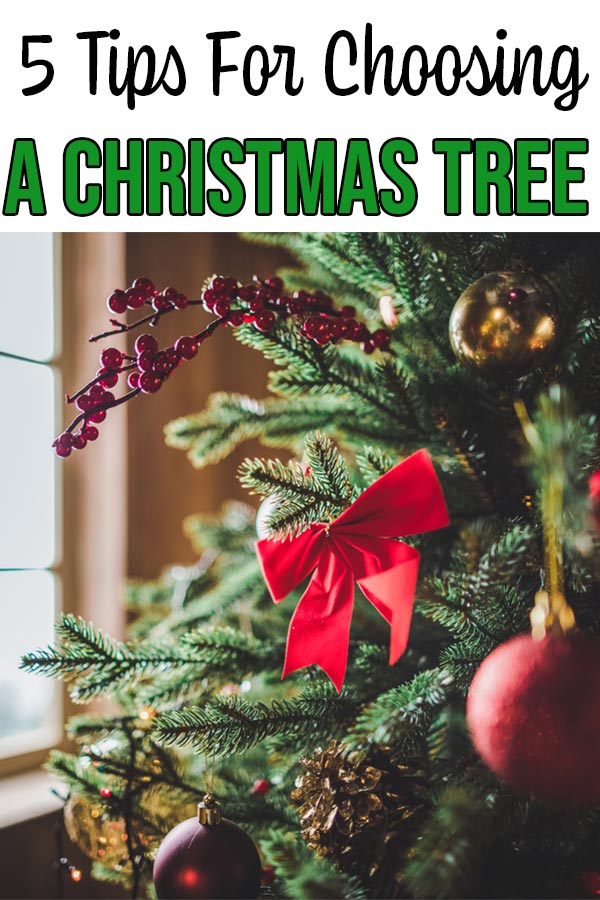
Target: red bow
{"points": [[356, 547]]}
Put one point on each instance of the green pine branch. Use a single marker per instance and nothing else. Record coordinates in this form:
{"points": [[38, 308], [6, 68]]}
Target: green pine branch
{"points": [[94, 664], [401, 717], [301, 875], [227, 725], [301, 497], [449, 856]]}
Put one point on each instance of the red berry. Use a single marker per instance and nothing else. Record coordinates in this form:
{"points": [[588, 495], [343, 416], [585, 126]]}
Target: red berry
{"points": [[65, 439], [208, 299], [170, 293], [262, 786], [135, 298], [97, 392], [117, 302], [161, 302], [61, 451], [180, 301], [133, 380], [337, 328], [145, 342], [256, 304], [83, 403], [221, 308], [294, 308], [79, 441], [236, 317], [108, 398], [186, 347], [264, 319], [275, 283], [230, 285], [161, 365], [381, 338], [347, 312], [313, 326], [218, 284], [149, 383], [110, 378], [145, 285], [111, 358], [268, 875], [323, 337], [145, 360], [98, 416], [353, 329], [264, 294], [172, 356], [246, 292], [90, 432], [367, 347]]}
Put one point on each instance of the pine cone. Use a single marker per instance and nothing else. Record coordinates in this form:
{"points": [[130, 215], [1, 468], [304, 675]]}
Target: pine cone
{"points": [[360, 809]]}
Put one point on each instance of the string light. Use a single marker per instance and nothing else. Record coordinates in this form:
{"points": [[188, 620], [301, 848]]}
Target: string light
{"points": [[146, 713], [75, 873], [387, 311]]}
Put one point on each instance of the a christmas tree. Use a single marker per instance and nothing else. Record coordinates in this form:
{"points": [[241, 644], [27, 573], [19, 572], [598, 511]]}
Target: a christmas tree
{"points": [[380, 789]]}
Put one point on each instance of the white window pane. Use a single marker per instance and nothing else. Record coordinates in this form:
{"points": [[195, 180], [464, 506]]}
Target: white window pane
{"points": [[27, 306], [30, 711], [27, 465]]}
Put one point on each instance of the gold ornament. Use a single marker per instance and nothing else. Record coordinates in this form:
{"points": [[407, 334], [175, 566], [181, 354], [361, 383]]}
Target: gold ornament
{"points": [[359, 809], [101, 838], [505, 324]]}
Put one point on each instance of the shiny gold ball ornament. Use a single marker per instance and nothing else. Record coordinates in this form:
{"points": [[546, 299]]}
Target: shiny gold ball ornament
{"points": [[101, 838], [505, 324]]}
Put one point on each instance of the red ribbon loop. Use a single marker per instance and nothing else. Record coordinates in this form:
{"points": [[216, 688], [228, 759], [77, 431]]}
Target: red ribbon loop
{"points": [[356, 547]]}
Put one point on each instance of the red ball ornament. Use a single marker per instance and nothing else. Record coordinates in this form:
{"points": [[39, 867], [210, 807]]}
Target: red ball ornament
{"points": [[261, 786], [591, 883], [532, 711], [594, 493], [202, 861]]}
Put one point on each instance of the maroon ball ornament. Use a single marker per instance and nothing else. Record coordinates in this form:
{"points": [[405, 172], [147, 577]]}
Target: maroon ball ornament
{"points": [[207, 858], [534, 714]]}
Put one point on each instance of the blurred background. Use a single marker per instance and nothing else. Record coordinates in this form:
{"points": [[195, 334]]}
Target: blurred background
{"points": [[72, 531]]}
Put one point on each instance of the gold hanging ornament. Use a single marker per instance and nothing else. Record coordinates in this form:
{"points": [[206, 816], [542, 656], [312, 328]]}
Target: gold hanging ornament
{"points": [[102, 838], [505, 324], [361, 810]]}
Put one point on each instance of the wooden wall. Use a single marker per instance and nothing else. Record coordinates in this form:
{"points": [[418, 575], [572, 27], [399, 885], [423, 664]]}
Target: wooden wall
{"points": [[163, 485]]}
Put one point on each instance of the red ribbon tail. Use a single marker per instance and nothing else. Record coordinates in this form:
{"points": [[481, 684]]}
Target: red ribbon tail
{"points": [[392, 594], [319, 631]]}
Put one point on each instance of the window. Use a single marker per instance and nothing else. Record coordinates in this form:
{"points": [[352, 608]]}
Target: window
{"points": [[30, 552]]}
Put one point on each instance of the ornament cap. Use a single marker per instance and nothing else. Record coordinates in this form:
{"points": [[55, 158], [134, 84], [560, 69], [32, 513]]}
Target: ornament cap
{"points": [[209, 810]]}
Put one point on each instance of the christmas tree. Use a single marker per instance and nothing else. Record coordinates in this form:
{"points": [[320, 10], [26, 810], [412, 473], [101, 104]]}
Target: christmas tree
{"points": [[432, 404]]}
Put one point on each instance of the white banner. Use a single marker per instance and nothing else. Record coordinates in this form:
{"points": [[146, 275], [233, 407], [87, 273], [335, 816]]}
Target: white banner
{"points": [[267, 116]]}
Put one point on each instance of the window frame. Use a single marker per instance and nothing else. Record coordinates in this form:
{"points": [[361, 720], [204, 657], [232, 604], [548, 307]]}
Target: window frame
{"points": [[90, 558]]}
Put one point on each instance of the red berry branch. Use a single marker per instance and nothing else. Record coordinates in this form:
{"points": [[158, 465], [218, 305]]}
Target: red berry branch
{"points": [[260, 303]]}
